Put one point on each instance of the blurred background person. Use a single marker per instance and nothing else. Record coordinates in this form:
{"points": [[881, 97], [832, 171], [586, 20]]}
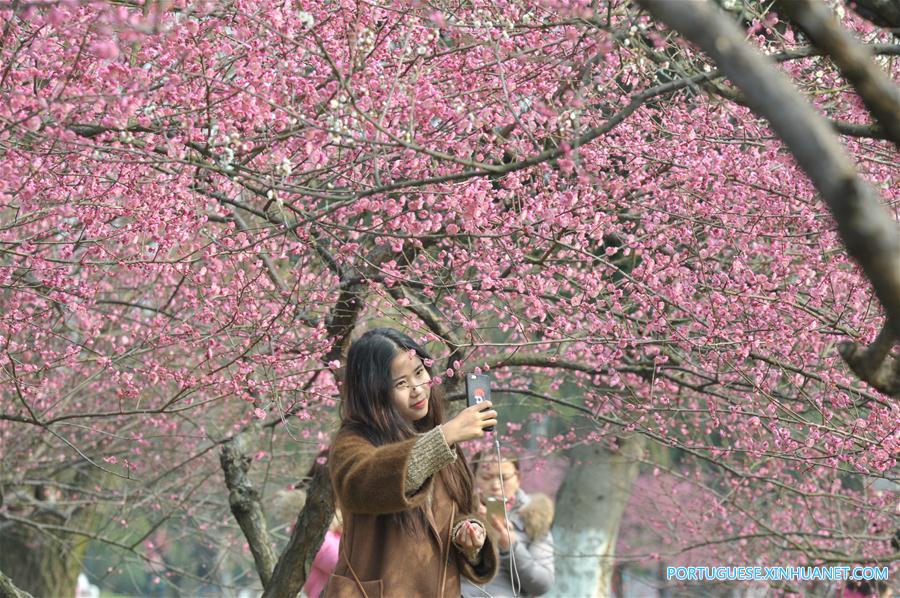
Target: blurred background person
{"points": [[526, 548]]}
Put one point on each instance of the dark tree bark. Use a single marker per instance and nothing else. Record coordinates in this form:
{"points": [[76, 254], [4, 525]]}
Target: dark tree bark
{"points": [[42, 541], [884, 13], [874, 364], [306, 539]]}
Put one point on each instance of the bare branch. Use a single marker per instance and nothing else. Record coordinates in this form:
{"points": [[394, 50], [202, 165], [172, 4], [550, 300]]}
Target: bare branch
{"points": [[540, 360]]}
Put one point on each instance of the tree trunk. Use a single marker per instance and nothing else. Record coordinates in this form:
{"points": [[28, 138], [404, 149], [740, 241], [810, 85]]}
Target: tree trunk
{"points": [[589, 509], [43, 557], [309, 530], [43, 563]]}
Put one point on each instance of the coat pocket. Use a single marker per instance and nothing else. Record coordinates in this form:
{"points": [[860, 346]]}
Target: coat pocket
{"points": [[341, 586]]}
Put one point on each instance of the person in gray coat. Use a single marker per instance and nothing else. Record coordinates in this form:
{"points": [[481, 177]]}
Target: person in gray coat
{"points": [[526, 552]]}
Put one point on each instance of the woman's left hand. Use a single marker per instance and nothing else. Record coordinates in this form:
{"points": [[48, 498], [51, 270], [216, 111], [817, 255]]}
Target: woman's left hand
{"points": [[470, 537]]}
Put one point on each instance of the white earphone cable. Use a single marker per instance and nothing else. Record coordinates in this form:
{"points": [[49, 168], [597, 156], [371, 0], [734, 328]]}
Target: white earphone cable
{"points": [[513, 570]]}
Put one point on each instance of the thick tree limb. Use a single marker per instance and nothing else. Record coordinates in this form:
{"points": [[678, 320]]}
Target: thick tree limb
{"points": [[884, 13], [856, 130], [880, 95], [873, 364], [309, 530], [244, 501], [343, 318], [867, 229], [353, 287]]}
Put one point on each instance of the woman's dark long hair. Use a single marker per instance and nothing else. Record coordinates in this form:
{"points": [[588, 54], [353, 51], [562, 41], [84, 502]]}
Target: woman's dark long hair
{"points": [[368, 411]]}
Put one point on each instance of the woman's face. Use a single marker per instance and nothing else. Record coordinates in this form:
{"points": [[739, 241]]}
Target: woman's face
{"points": [[411, 388], [487, 480]]}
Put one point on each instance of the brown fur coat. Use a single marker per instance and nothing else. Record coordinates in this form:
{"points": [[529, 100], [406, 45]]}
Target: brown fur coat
{"points": [[377, 558]]}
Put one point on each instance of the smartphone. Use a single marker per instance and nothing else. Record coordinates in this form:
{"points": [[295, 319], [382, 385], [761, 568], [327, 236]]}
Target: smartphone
{"points": [[478, 390], [494, 507]]}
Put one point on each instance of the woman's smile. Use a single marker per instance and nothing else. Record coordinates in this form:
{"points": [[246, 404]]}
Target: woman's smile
{"points": [[411, 386]]}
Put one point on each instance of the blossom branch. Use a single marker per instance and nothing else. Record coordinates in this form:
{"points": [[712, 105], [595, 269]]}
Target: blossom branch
{"points": [[868, 231], [433, 320]]}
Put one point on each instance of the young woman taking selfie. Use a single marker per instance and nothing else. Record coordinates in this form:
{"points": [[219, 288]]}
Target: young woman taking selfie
{"points": [[411, 526]]}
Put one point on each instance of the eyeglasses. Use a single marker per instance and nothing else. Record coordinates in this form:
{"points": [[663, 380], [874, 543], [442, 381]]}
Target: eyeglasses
{"points": [[492, 478]]}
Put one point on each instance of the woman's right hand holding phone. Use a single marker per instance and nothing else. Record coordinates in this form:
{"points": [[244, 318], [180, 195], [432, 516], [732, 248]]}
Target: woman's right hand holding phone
{"points": [[470, 423]]}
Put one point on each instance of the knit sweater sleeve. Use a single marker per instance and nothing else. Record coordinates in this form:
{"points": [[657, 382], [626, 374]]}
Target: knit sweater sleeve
{"points": [[429, 454]]}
